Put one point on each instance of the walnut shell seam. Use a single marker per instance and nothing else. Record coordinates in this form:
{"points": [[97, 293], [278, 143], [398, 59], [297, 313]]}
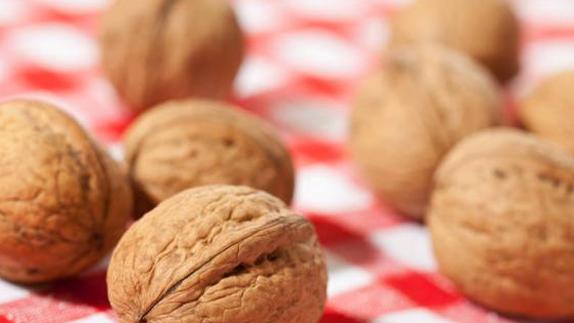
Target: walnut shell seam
{"points": [[276, 224]]}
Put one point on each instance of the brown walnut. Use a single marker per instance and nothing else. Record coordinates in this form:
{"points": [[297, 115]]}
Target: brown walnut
{"points": [[184, 144], [227, 254], [502, 223], [411, 113], [63, 202], [157, 50], [486, 30], [549, 110]]}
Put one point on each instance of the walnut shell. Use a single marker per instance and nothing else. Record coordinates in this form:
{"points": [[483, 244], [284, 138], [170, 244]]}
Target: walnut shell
{"points": [[502, 226], [486, 30], [63, 202], [219, 254], [549, 110], [409, 115], [157, 50], [184, 144]]}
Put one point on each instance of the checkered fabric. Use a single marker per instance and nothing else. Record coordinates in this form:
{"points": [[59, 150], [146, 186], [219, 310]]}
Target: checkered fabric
{"points": [[305, 58]]}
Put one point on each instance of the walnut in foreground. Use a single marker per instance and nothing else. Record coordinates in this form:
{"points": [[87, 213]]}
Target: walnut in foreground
{"points": [[549, 110], [185, 144], [502, 223], [224, 254], [63, 202], [157, 50], [486, 30], [411, 113]]}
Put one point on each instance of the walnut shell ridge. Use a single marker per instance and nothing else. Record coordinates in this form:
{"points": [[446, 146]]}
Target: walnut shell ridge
{"points": [[157, 50], [502, 226], [63, 202], [407, 116], [219, 254], [185, 144], [486, 30], [549, 110]]}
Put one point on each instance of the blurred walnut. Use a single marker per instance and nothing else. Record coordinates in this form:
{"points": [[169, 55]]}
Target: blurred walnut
{"points": [[184, 144], [549, 110], [225, 254], [410, 114], [486, 30], [157, 50], [63, 202], [502, 225]]}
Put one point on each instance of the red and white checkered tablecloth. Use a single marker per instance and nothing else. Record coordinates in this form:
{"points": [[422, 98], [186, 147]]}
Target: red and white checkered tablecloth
{"points": [[305, 58]]}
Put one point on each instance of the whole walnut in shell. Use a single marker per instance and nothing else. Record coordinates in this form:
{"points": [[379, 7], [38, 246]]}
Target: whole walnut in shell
{"points": [[157, 50], [486, 30], [63, 202], [502, 223], [411, 113], [184, 144], [549, 110], [219, 254]]}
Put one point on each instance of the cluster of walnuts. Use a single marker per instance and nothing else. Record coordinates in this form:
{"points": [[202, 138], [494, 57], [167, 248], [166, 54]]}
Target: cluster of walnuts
{"points": [[426, 133], [218, 241]]}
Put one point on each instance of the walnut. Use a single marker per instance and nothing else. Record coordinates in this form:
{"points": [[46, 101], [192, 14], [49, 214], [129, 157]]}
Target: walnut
{"points": [[486, 30], [63, 202], [549, 110], [502, 226], [219, 254], [184, 144], [409, 115], [157, 50]]}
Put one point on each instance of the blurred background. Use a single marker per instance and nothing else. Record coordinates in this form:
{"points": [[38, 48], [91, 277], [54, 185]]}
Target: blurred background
{"points": [[305, 60]]}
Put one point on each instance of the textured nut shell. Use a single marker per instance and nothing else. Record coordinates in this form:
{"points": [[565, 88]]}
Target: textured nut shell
{"points": [[184, 144], [502, 225], [219, 254], [410, 114], [63, 202], [486, 30], [156, 50], [549, 110]]}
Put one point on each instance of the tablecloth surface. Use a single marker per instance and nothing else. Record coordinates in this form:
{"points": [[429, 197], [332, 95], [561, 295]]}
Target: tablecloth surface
{"points": [[305, 60]]}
